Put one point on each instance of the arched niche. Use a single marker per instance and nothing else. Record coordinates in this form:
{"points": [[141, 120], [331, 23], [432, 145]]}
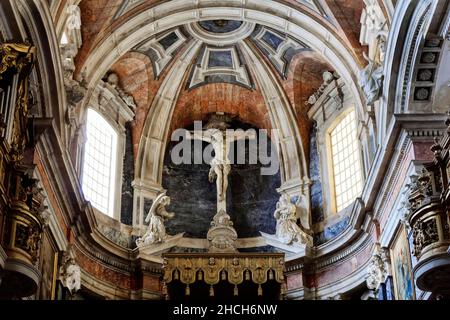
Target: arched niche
{"points": [[251, 196]]}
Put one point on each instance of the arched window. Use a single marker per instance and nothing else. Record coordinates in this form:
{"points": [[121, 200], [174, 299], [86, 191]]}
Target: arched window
{"points": [[346, 162], [100, 163]]}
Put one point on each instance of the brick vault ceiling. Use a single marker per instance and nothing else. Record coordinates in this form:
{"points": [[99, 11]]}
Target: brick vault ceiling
{"points": [[219, 78]]}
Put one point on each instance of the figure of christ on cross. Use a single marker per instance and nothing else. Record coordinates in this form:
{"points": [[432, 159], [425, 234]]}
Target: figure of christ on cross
{"points": [[220, 164]]}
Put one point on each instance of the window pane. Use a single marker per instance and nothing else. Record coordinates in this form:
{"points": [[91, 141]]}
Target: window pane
{"points": [[346, 164], [99, 165]]}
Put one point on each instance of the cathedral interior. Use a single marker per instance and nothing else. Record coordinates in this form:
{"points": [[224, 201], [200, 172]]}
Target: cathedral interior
{"points": [[314, 137]]}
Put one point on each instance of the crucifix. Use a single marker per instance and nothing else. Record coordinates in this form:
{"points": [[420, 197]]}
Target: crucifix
{"points": [[221, 235], [220, 139]]}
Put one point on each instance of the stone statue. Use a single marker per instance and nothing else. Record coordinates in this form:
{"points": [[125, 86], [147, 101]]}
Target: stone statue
{"points": [[221, 235], [73, 276], [74, 19], [371, 80], [376, 271], [220, 164], [287, 230], [156, 231], [70, 272]]}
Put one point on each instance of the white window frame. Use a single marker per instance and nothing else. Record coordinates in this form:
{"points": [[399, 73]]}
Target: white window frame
{"points": [[330, 161], [115, 164], [107, 101]]}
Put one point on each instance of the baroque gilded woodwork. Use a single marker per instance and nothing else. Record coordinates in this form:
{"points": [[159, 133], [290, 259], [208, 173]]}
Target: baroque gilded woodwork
{"points": [[429, 219], [212, 268], [24, 211]]}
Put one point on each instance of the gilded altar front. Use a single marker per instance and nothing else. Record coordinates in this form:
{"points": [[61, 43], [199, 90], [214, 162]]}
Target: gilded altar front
{"points": [[223, 275]]}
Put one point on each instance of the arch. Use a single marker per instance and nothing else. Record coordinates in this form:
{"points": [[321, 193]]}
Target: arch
{"points": [[162, 17], [408, 23], [150, 156], [198, 103], [169, 15], [304, 77], [38, 22], [137, 81]]}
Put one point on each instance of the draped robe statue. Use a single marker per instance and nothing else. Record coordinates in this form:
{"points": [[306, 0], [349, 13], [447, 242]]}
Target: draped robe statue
{"points": [[371, 80]]}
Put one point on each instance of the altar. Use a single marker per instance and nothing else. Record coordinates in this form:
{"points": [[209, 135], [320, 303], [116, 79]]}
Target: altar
{"points": [[220, 266], [223, 276]]}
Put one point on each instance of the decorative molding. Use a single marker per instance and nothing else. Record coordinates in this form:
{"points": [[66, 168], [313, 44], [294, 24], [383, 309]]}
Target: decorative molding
{"points": [[114, 103], [234, 267], [402, 151], [220, 64], [105, 258], [167, 15], [345, 284], [444, 30], [406, 69], [53, 224], [323, 262], [161, 48], [221, 39], [106, 289], [328, 79], [344, 254], [279, 48], [126, 6], [149, 160]]}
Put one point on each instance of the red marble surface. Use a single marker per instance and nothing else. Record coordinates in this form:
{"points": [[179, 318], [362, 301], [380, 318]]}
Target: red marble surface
{"points": [[339, 271], [294, 281], [152, 283], [102, 272]]}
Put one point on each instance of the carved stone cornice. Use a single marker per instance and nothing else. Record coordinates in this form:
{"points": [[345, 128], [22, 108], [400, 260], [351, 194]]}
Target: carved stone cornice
{"points": [[344, 254], [337, 257], [411, 43], [328, 79], [88, 248], [105, 258]]}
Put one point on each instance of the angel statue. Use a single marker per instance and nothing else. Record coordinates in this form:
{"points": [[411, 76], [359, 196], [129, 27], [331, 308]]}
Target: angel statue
{"points": [[287, 229], [156, 231]]}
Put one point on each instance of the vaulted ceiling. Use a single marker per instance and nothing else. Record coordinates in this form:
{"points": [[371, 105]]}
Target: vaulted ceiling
{"points": [[221, 75]]}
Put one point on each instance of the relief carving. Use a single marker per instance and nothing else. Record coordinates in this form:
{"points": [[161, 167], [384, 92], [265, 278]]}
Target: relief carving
{"points": [[424, 234]]}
